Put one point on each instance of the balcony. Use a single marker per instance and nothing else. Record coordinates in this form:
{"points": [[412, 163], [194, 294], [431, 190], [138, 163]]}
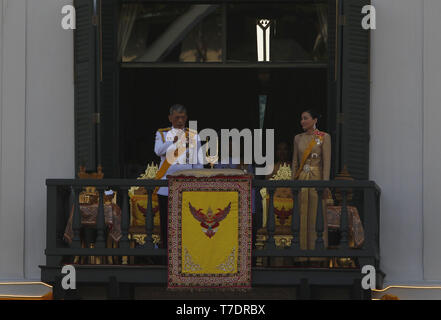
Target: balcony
{"points": [[134, 266]]}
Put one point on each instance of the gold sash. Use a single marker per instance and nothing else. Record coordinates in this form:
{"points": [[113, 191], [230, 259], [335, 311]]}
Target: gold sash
{"points": [[166, 165], [307, 153]]}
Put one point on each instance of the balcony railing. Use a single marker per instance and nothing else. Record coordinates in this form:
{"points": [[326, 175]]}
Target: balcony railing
{"points": [[63, 195]]}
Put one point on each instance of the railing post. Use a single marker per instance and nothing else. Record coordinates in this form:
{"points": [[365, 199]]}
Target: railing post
{"points": [[125, 218], [319, 223], [149, 220], [100, 223], [271, 224], [257, 214], [376, 220], [51, 224], [370, 218], [295, 220], [344, 225], [76, 218]]}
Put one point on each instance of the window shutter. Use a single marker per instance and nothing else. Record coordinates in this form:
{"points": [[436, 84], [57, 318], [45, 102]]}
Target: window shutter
{"points": [[355, 91], [85, 86], [108, 93]]}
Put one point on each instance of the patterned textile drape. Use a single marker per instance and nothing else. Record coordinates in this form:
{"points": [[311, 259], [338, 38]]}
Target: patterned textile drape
{"points": [[209, 233]]}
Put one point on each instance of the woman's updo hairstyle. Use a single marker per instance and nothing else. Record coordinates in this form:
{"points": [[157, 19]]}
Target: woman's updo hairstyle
{"points": [[314, 114]]}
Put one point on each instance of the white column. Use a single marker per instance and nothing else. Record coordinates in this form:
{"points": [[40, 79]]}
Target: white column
{"points": [[396, 135], [12, 137], [432, 140], [50, 151]]}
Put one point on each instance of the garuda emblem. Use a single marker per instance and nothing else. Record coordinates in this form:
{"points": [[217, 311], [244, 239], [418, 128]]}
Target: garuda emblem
{"points": [[282, 214], [210, 221], [144, 210]]}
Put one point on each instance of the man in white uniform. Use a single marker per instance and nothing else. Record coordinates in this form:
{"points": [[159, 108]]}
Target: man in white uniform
{"points": [[177, 147]]}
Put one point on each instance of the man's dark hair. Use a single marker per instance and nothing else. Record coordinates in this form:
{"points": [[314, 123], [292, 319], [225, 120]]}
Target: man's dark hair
{"points": [[177, 108]]}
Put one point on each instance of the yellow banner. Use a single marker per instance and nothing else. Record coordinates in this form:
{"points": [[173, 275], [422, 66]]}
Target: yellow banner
{"points": [[283, 211], [210, 232], [138, 209]]}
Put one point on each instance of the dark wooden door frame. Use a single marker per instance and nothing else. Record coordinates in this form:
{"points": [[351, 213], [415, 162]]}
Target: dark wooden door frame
{"points": [[350, 65]]}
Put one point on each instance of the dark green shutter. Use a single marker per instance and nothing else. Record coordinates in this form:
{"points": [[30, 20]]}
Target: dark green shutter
{"points": [[85, 86], [355, 91], [108, 90]]}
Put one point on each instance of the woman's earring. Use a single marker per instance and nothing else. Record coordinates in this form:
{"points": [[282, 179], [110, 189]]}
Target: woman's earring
{"points": [[315, 127]]}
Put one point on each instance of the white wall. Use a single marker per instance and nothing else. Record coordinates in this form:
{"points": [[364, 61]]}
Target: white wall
{"points": [[37, 127], [49, 118], [432, 140], [12, 137], [396, 162], [406, 137]]}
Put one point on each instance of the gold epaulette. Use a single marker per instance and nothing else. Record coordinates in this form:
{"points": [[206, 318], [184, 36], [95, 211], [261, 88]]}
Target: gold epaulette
{"points": [[161, 131]]}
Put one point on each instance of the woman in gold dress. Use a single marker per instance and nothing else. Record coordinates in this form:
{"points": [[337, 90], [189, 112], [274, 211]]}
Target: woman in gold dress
{"points": [[311, 161]]}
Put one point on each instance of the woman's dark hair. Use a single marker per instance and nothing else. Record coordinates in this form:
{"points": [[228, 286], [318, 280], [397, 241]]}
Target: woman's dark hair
{"points": [[314, 114]]}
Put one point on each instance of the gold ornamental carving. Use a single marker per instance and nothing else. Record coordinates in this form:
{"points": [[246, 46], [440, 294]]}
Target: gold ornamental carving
{"points": [[149, 174]]}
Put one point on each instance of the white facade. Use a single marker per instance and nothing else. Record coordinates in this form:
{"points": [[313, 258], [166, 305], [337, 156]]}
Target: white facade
{"points": [[405, 137], [37, 132], [396, 154], [36, 127]]}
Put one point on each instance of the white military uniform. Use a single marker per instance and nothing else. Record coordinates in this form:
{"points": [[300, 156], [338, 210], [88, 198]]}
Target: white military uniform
{"points": [[187, 160]]}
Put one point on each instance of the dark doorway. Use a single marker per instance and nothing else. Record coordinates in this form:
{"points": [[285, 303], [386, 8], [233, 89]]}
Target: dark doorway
{"points": [[218, 98]]}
